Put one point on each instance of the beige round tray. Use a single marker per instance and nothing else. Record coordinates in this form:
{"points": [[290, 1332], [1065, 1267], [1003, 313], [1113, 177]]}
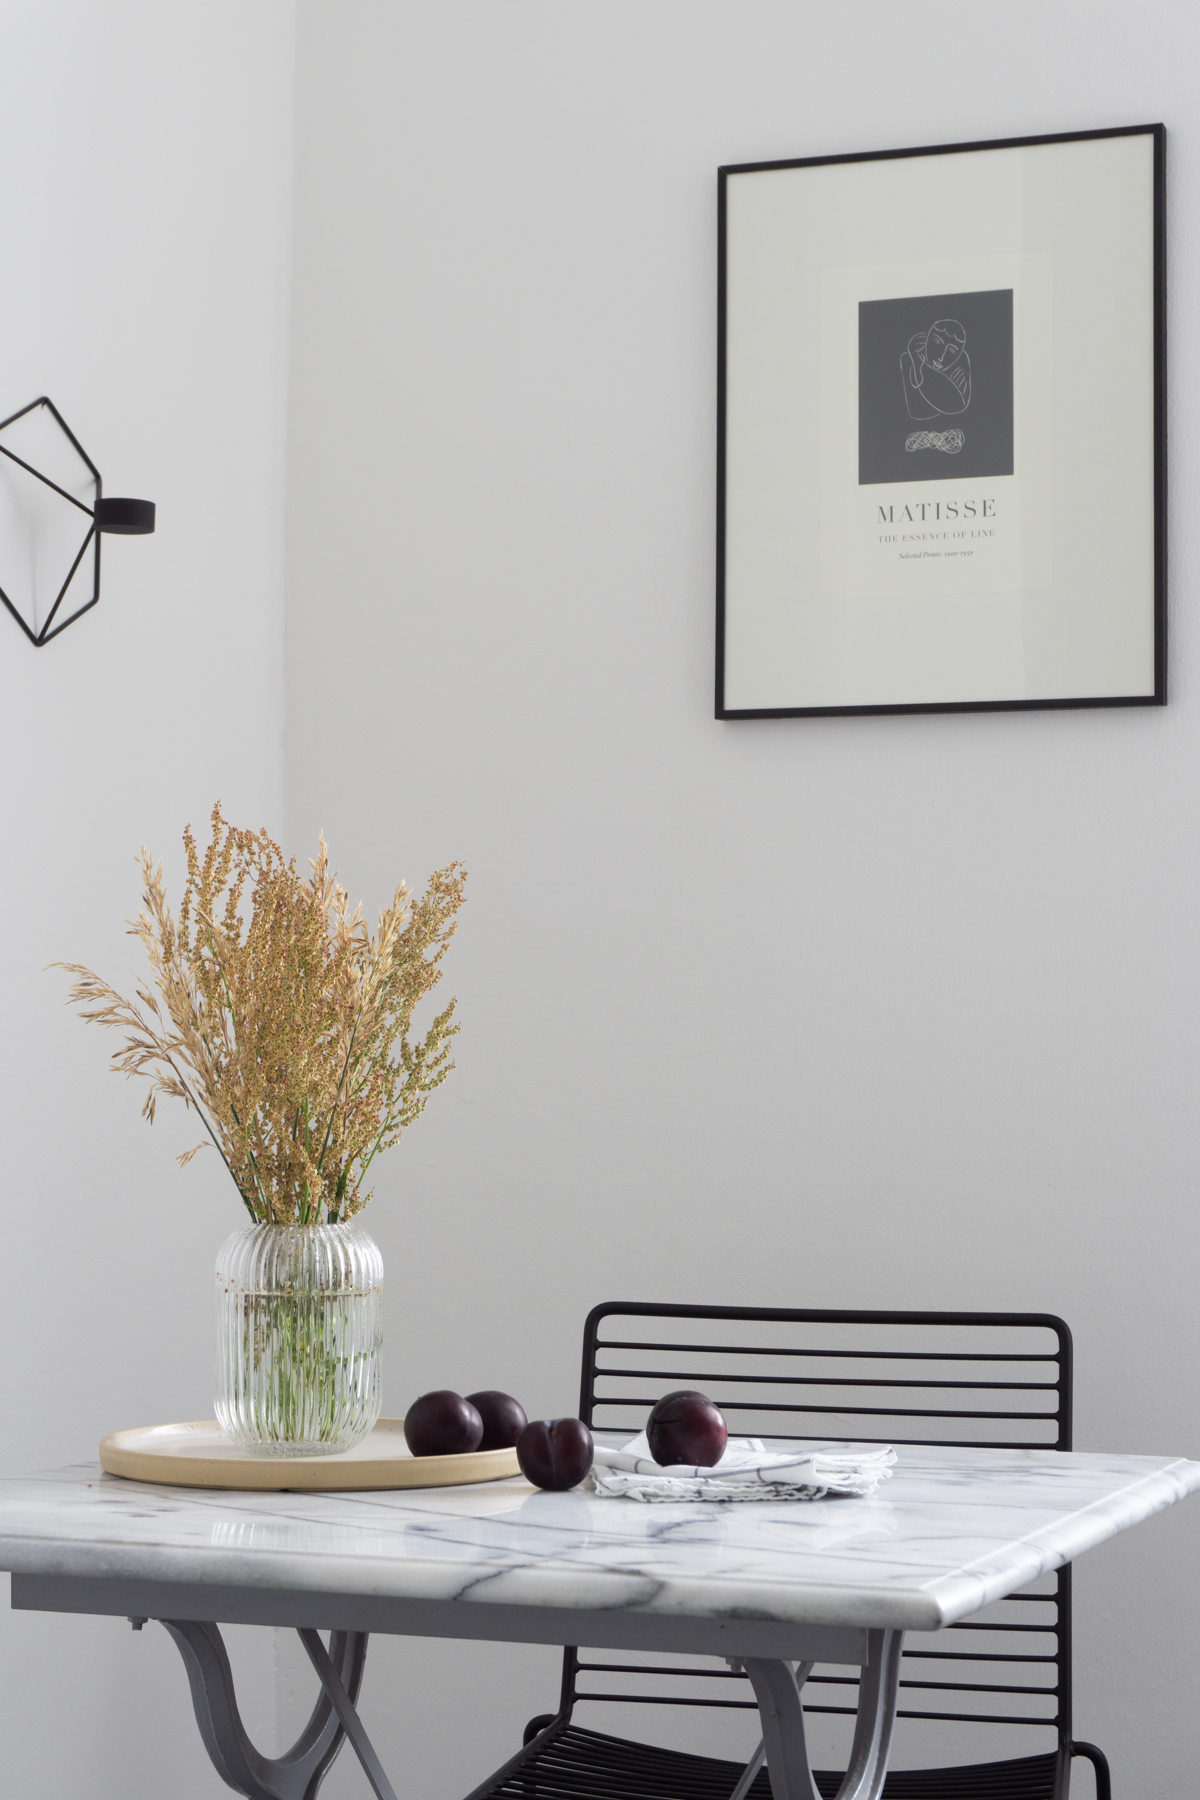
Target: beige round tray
{"points": [[199, 1454]]}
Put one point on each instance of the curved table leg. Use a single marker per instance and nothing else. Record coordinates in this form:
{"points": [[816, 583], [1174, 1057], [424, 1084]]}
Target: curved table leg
{"points": [[777, 1690], [877, 1693], [299, 1772]]}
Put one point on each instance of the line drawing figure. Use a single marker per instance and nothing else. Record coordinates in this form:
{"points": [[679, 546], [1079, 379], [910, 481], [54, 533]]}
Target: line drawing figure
{"points": [[937, 371], [950, 441]]}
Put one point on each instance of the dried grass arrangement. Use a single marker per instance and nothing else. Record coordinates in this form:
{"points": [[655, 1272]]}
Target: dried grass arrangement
{"points": [[289, 1035]]}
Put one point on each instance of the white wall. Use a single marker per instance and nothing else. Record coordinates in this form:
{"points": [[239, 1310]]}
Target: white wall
{"points": [[145, 220], [847, 1012], [859, 1012]]}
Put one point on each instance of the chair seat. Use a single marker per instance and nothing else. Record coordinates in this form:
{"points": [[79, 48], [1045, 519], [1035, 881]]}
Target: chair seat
{"points": [[570, 1763], [1021, 1778]]}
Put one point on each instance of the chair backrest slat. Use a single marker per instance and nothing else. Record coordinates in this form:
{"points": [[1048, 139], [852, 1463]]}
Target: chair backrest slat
{"points": [[784, 1373]]}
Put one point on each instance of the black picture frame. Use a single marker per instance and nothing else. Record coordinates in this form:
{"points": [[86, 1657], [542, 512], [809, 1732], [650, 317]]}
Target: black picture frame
{"points": [[1152, 689]]}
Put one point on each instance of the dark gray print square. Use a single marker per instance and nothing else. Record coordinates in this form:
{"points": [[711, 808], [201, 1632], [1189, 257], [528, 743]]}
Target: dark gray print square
{"points": [[935, 387]]}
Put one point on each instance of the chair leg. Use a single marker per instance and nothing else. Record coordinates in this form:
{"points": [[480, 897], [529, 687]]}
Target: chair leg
{"points": [[1099, 1762]]}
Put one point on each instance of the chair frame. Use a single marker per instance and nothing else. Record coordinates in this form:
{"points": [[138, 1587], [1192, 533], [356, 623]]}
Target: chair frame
{"points": [[550, 1725]]}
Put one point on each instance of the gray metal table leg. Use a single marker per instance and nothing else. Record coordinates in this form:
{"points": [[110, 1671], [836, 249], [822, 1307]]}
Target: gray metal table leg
{"points": [[298, 1774], [777, 1690], [343, 1705], [746, 1779], [878, 1687]]}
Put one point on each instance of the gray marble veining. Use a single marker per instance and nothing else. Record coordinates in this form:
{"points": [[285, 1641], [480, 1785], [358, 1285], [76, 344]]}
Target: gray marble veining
{"points": [[952, 1531]]}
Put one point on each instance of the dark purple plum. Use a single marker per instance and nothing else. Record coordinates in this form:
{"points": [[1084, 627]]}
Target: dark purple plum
{"points": [[555, 1453], [685, 1427], [442, 1424], [503, 1418]]}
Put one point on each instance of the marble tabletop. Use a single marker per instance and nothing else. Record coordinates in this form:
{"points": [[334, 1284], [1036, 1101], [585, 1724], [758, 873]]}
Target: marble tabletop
{"points": [[952, 1530]]}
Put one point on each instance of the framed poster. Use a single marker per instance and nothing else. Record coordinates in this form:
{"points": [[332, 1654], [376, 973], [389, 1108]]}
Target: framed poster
{"points": [[941, 429]]}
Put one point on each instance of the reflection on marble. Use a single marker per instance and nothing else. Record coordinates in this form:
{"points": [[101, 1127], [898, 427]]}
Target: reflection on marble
{"points": [[953, 1530]]}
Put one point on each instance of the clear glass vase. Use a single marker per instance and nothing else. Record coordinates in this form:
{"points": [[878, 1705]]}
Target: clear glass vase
{"points": [[299, 1331]]}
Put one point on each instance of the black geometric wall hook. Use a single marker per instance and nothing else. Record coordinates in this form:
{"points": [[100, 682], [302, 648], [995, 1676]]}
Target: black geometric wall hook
{"points": [[50, 494]]}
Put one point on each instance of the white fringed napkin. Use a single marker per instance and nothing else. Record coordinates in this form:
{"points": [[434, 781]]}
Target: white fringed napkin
{"points": [[747, 1471]]}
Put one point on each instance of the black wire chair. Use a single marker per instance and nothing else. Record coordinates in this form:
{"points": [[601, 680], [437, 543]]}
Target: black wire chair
{"points": [[1000, 1380]]}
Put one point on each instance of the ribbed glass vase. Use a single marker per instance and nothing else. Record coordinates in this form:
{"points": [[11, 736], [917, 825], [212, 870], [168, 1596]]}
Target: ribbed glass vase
{"points": [[299, 1331]]}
